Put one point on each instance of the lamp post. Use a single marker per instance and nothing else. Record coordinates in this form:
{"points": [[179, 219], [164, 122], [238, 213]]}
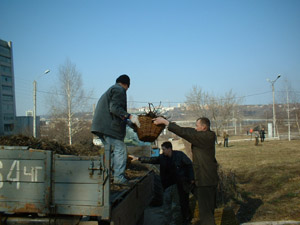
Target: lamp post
{"points": [[274, 114], [288, 112], [34, 105]]}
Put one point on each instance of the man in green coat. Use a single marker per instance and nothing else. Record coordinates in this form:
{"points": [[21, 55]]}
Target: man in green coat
{"points": [[204, 163], [109, 124]]}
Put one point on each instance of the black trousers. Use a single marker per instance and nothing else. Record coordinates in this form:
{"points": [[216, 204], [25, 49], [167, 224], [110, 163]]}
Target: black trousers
{"points": [[184, 204], [206, 197]]}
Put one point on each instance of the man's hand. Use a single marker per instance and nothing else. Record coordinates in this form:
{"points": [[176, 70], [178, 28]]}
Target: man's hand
{"points": [[160, 120], [135, 119], [133, 158]]}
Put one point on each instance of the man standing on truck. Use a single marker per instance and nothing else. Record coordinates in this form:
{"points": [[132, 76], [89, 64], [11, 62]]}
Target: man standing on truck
{"points": [[204, 162], [177, 178], [109, 124]]}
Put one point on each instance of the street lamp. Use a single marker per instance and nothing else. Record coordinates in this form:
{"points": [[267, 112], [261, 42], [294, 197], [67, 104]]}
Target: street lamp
{"points": [[34, 104], [273, 91]]}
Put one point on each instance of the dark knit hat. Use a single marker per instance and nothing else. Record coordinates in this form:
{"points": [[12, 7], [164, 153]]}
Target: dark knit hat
{"points": [[124, 79]]}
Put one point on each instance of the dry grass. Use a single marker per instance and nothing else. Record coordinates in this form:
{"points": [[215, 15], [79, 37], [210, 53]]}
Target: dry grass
{"points": [[268, 177]]}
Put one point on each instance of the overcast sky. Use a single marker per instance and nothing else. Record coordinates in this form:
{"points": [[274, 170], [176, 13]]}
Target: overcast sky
{"points": [[166, 47]]}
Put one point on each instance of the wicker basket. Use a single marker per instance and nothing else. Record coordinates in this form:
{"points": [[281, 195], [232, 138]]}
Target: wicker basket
{"points": [[148, 131]]}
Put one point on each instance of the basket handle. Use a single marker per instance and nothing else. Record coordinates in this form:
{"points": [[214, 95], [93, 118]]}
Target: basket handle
{"points": [[154, 111], [151, 104]]}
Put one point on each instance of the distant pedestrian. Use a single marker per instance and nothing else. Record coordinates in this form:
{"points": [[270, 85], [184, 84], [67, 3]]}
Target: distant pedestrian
{"points": [[225, 138], [256, 137], [251, 131], [262, 135]]}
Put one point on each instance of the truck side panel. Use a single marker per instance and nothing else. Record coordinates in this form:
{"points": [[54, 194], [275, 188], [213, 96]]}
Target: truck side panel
{"points": [[25, 181], [35, 181], [78, 185]]}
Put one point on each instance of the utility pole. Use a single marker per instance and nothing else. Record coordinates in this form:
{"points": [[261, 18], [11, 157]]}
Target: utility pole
{"points": [[34, 105], [274, 114], [34, 108], [288, 113]]}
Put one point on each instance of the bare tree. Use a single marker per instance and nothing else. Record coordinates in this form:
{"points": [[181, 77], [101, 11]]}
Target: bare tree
{"points": [[69, 98], [290, 108], [56, 130], [220, 110], [196, 101], [215, 109], [223, 109]]}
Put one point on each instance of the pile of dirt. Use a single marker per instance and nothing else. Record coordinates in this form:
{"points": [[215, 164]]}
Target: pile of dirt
{"points": [[45, 144], [87, 149]]}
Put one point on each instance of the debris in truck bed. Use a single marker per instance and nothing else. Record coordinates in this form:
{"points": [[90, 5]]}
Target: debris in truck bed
{"points": [[133, 171], [57, 148], [45, 144]]}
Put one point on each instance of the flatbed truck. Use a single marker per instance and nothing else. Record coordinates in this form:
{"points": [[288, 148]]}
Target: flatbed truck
{"points": [[40, 187]]}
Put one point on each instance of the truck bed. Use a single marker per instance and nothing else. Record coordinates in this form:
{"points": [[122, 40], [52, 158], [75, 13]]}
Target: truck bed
{"points": [[37, 186]]}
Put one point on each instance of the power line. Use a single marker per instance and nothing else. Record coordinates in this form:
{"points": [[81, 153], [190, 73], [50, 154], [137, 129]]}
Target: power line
{"points": [[171, 102]]}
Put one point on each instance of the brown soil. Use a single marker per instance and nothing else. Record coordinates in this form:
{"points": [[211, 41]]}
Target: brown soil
{"points": [[45, 144]]}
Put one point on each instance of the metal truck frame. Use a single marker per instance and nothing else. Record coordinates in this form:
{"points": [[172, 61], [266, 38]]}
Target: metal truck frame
{"points": [[40, 187]]}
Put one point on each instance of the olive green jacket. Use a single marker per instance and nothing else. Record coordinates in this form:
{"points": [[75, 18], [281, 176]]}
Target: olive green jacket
{"points": [[203, 149], [111, 113]]}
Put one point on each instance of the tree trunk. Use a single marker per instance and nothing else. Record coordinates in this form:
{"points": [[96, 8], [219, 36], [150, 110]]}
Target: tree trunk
{"points": [[297, 122]]}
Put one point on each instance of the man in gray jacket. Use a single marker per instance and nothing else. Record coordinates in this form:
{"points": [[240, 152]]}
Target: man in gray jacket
{"points": [[109, 124]]}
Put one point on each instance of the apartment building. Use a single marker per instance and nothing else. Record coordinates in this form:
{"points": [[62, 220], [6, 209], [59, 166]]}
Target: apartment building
{"points": [[7, 89]]}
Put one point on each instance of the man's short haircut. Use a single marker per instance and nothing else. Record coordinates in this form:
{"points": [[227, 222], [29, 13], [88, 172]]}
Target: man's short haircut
{"points": [[167, 144], [205, 121]]}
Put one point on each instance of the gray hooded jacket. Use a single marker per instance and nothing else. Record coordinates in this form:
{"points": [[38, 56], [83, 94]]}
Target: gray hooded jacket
{"points": [[111, 113]]}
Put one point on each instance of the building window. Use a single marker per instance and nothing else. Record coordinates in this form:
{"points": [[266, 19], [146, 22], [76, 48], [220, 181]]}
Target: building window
{"points": [[8, 116], [4, 50], [6, 79], [7, 97], [8, 107], [8, 127], [5, 59], [5, 69], [6, 88]]}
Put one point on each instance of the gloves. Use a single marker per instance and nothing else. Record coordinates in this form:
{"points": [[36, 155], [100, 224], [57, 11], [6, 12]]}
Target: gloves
{"points": [[135, 119]]}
